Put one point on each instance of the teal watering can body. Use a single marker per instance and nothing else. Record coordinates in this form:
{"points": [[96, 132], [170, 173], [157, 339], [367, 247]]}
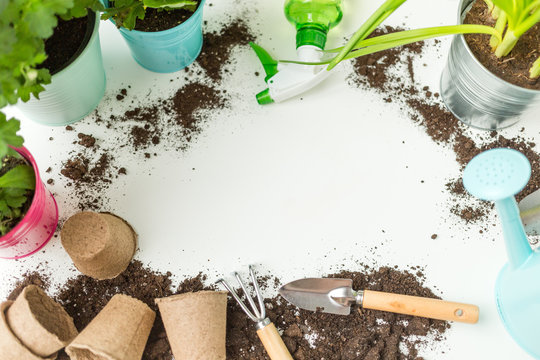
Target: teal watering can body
{"points": [[497, 175]]}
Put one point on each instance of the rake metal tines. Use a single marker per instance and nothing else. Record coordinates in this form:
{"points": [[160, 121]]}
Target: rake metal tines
{"points": [[258, 315]]}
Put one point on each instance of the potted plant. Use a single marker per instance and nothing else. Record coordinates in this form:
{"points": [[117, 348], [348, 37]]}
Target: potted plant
{"points": [[491, 84], [52, 45], [163, 35], [28, 211]]}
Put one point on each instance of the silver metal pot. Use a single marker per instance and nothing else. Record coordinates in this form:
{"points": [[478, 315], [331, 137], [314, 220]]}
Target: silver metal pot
{"points": [[478, 97]]}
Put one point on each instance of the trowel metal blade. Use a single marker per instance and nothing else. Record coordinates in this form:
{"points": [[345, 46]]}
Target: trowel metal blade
{"points": [[316, 294], [529, 208]]}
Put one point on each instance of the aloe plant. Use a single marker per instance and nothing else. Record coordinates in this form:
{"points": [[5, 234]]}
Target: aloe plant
{"points": [[126, 12], [514, 18], [518, 16]]}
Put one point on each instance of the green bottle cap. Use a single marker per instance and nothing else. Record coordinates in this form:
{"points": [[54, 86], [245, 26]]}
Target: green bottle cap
{"points": [[264, 97], [311, 36]]}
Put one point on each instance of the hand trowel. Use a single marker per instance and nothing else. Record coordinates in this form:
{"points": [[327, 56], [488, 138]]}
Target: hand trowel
{"points": [[336, 296]]}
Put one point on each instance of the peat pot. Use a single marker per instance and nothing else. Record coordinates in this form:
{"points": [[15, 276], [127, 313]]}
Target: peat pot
{"points": [[74, 91], [478, 97], [37, 227]]}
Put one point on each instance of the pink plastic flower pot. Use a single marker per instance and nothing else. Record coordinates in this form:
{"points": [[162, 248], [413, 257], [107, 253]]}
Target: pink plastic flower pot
{"points": [[38, 225]]}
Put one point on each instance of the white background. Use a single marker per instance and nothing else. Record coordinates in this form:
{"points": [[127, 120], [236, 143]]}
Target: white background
{"points": [[298, 188]]}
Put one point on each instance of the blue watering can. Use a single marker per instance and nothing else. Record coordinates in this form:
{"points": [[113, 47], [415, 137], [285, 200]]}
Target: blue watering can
{"points": [[497, 175]]}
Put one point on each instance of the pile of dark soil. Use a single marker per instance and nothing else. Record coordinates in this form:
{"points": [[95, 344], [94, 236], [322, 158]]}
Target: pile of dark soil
{"points": [[427, 110], [218, 46], [514, 67], [365, 334]]}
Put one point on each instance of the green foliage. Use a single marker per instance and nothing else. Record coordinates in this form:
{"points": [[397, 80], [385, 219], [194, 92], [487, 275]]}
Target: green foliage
{"points": [[80, 8], [8, 134], [20, 177], [517, 16], [126, 12]]}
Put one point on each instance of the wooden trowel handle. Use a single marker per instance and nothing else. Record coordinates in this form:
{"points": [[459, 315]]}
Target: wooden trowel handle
{"points": [[274, 345], [420, 306]]}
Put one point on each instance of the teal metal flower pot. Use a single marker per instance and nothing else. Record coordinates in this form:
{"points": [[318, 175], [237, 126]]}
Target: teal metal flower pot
{"points": [[74, 91], [168, 50]]}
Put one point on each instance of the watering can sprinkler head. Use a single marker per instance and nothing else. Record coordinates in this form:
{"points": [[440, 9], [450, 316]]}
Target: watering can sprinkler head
{"points": [[497, 175]]}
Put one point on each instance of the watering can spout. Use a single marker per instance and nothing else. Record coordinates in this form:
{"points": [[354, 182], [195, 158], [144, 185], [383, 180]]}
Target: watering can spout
{"points": [[517, 243]]}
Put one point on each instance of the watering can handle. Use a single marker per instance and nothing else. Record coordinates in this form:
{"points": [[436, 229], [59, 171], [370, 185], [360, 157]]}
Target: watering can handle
{"points": [[274, 345], [420, 306]]}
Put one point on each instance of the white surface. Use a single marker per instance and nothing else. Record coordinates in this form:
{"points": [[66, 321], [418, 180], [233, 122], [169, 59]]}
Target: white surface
{"points": [[299, 187]]}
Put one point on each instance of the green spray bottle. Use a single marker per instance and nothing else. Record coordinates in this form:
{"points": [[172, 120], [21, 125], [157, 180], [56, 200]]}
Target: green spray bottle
{"points": [[312, 19]]}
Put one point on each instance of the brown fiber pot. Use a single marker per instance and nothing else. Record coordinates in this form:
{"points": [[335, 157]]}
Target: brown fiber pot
{"points": [[195, 324], [101, 245], [119, 332], [12, 348], [41, 324]]}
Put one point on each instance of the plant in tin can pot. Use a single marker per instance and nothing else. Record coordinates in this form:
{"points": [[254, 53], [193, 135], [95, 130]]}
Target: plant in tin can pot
{"points": [[163, 35], [493, 83], [53, 45]]}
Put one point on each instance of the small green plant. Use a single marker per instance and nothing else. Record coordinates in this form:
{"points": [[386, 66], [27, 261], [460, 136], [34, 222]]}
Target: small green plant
{"points": [[126, 12], [514, 18], [17, 182], [360, 45]]}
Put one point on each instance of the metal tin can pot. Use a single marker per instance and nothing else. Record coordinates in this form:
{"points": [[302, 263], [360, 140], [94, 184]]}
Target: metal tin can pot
{"points": [[168, 50], [74, 91], [478, 97]]}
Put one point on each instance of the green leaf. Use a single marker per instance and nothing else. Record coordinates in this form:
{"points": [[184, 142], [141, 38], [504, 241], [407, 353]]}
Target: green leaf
{"points": [[535, 69], [15, 198], [20, 177], [388, 41], [8, 134]]}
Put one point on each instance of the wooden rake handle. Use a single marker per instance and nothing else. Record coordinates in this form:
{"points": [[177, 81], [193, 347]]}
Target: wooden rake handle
{"points": [[420, 306], [274, 345]]}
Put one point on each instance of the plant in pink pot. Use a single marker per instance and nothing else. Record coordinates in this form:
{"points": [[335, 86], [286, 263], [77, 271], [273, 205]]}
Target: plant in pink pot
{"points": [[28, 211]]}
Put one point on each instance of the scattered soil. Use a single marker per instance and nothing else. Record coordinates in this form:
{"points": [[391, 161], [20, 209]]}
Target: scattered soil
{"points": [[170, 123], [514, 67], [189, 100], [67, 41], [367, 68], [159, 19], [427, 110], [218, 46], [365, 334]]}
